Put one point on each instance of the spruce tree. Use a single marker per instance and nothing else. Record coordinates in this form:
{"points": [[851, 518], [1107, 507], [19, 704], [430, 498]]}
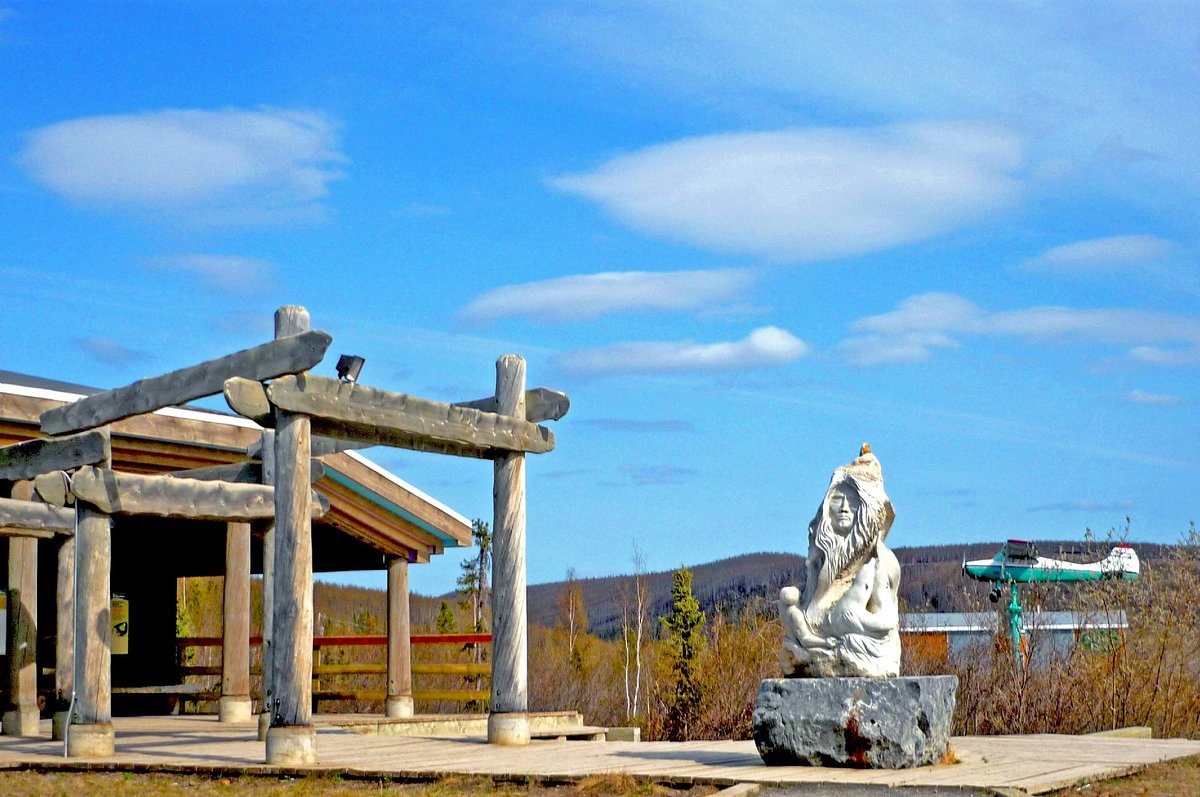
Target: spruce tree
{"points": [[685, 624]]}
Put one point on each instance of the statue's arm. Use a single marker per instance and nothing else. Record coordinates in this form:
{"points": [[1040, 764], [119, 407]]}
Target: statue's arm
{"points": [[883, 609]]}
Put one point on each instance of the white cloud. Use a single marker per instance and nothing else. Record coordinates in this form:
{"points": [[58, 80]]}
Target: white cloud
{"points": [[808, 194], [591, 295], [231, 273], [1100, 254], [763, 347], [1154, 399], [226, 166], [923, 323]]}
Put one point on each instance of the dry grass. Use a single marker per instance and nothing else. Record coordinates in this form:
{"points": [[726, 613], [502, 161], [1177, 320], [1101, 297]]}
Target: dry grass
{"points": [[128, 784]]}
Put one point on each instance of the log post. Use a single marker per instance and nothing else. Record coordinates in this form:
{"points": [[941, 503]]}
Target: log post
{"points": [[292, 738], [21, 713], [235, 651], [64, 648], [508, 722], [399, 651], [91, 732], [268, 594]]}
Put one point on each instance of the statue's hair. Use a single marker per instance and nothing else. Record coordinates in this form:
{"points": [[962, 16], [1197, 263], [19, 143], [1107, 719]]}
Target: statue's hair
{"points": [[871, 525]]}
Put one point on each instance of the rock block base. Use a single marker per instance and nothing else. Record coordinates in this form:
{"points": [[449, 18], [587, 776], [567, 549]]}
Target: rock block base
{"points": [[882, 723]]}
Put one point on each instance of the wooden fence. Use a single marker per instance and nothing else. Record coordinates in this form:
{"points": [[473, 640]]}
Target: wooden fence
{"points": [[378, 667]]}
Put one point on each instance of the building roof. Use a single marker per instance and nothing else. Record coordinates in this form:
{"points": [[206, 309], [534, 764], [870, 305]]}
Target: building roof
{"points": [[985, 622], [374, 506]]}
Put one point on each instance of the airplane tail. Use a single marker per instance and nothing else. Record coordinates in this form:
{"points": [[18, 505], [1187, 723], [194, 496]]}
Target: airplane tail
{"points": [[1121, 561]]}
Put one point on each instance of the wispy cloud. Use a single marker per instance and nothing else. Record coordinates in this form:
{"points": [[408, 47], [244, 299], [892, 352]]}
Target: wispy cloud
{"points": [[1084, 506], [227, 273], [921, 324], [658, 474], [228, 166], [766, 346], [108, 352], [637, 426], [590, 295], [1101, 254], [807, 194], [1153, 399]]}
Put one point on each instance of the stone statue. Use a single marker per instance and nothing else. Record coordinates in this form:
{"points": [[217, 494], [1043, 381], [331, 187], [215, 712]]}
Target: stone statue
{"points": [[847, 621]]}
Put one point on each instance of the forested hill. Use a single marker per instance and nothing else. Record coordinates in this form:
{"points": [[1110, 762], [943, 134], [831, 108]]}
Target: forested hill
{"points": [[932, 581]]}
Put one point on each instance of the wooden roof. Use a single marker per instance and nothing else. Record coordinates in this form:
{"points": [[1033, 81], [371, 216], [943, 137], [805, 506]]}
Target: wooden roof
{"points": [[368, 503]]}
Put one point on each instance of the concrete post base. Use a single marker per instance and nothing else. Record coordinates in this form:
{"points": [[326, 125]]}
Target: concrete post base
{"points": [[511, 728], [398, 706], [235, 708], [91, 741], [59, 725], [21, 723], [264, 724], [292, 745]]}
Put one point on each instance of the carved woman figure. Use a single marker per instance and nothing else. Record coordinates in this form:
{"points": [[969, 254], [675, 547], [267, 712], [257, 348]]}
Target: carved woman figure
{"points": [[850, 594]]}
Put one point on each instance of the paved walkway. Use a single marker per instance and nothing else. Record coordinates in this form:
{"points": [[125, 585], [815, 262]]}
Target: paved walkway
{"points": [[1034, 764]]}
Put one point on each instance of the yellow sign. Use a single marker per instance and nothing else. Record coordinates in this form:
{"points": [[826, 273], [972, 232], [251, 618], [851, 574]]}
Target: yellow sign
{"points": [[120, 625]]}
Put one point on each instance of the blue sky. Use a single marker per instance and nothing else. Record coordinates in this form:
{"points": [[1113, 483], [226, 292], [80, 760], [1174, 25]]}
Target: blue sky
{"points": [[744, 238]]}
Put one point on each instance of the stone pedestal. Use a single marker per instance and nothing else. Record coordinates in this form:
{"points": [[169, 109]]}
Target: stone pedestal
{"points": [[396, 707], [95, 740], [292, 746], [21, 723], [883, 723], [235, 709], [511, 728]]}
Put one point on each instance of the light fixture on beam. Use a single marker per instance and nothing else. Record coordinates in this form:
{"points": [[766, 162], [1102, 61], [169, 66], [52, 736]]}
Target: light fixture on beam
{"points": [[349, 366]]}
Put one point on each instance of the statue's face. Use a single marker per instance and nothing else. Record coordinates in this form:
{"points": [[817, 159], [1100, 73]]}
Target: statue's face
{"points": [[843, 504]]}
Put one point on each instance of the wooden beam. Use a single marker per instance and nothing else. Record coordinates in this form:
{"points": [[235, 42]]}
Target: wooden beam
{"points": [[164, 496], [289, 355], [248, 398], [321, 446], [380, 417], [16, 516], [541, 404], [241, 473], [35, 457], [54, 488]]}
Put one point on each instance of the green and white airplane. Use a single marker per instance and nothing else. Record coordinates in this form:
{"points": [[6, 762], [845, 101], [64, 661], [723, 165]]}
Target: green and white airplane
{"points": [[1018, 562]]}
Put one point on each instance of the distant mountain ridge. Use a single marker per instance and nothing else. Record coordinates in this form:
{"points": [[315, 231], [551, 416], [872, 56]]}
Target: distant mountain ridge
{"points": [[931, 581]]}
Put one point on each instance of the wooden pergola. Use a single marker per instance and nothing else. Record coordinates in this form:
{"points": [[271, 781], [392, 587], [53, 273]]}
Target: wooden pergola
{"points": [[133, 458]]}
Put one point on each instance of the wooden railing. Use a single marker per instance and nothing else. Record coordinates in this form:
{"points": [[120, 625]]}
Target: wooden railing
{"points": [[465, 669]]}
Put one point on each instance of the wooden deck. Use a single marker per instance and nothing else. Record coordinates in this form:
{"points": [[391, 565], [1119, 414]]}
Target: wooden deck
{"points": [[1034, 764]]}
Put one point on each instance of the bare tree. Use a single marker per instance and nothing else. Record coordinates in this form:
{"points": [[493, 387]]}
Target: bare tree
{"points": [[633, 614]]}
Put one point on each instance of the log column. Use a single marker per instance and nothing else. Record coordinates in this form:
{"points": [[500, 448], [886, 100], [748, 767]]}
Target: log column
{"points": [[292, 738], [235, 651], [64, 648], [399, 652], [268, 594], [91, 732], [508, 722], [21, 713]]}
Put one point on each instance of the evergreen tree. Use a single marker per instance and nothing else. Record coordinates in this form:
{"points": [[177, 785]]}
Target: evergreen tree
{"points": [[685, 625], [473, 582], [446, 623]]}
